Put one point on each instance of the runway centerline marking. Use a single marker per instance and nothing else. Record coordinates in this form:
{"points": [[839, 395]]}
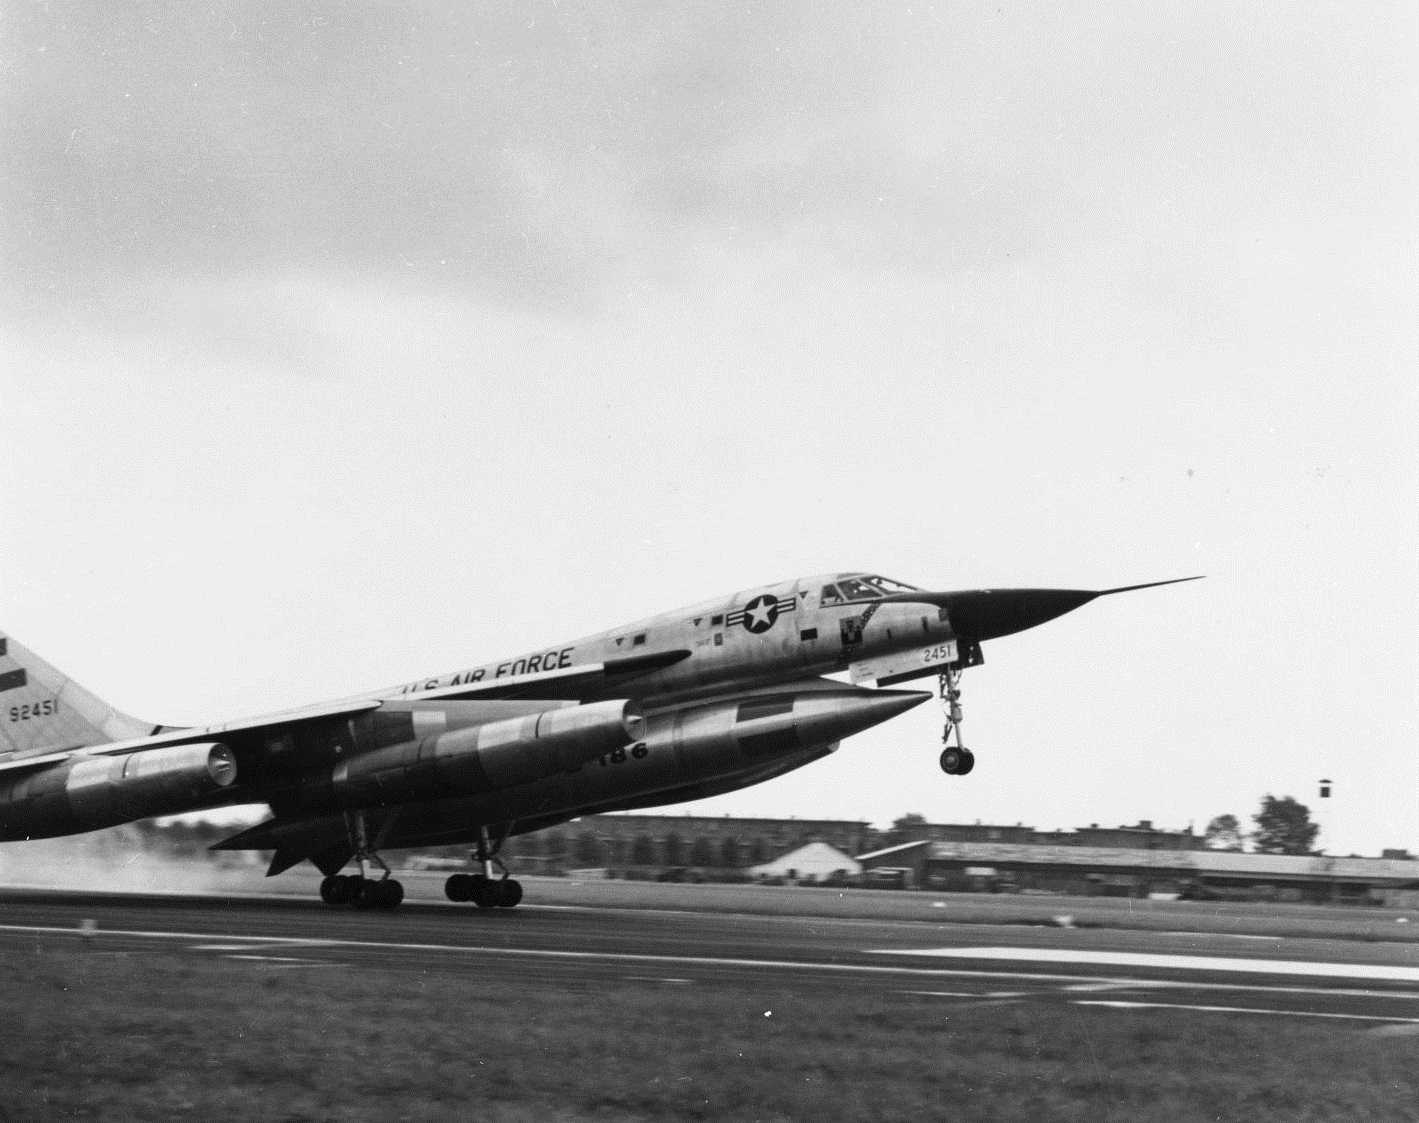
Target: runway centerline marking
{"points": [[1119, 1004], [1378, 971], [242, 947], [298, 942], [1114, 984]]}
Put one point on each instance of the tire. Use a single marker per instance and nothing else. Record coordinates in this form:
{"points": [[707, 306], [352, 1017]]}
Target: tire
{"points": [[509, 894], [968, 763], [457, 888], [484, 893], [392, 893], [362, 893], [953, 761], [332, 890]]}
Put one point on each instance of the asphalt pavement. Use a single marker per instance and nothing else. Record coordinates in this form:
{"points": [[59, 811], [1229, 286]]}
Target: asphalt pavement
{"points": [[1358, 983]]}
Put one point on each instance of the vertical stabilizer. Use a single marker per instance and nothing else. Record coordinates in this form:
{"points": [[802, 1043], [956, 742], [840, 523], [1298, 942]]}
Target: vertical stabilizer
{"points": [[43, 709]]}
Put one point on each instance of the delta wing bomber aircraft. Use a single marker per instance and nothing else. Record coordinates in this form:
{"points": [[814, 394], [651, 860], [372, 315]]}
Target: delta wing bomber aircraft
{"points": [[689, 704]]}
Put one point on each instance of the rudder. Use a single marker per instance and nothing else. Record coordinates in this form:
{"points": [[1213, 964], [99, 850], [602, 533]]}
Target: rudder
{"points": [[41, 708]]}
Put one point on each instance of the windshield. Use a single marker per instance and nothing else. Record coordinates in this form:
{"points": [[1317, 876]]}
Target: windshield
{"points": [[887, 585], [862, 588]]}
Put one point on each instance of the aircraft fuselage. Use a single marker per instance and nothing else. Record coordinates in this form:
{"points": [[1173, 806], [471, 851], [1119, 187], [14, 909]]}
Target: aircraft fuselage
{"points": [[683, 705], [748, 640]]}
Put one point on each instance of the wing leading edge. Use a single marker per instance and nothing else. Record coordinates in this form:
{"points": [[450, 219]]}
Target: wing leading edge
{"points": [[574, 684]]}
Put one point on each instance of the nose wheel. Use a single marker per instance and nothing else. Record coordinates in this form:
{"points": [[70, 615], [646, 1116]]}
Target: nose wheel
{"points": [[956, 760]]}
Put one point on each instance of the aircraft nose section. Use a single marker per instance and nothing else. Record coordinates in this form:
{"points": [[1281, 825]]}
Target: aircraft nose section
{"points": [[982, 614]]}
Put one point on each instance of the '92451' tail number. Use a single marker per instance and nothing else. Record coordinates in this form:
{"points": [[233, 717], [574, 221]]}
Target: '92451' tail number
{"points": [[31, 710]]}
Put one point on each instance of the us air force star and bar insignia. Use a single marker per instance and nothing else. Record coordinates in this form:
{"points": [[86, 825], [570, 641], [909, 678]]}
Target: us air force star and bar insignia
{"points": [[760, 613]]}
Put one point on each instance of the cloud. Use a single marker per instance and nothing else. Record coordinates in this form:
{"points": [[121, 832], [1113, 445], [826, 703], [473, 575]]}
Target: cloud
{"points": [[550, 156], [520, 153]]}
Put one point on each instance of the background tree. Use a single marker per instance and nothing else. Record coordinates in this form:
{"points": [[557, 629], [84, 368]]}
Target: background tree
{"points": [[588, 850], [1224, 833], [906, 829], [729, 852], [1283, 826], [702, 852]]}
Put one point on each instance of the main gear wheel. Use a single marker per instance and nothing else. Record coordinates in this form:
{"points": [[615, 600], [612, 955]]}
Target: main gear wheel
{"points": [[483, 889]]}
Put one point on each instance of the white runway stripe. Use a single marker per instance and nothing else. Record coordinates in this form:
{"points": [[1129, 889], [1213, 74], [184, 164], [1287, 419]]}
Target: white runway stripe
{"points": [[1385, 971], [296, 943], [1120, 1005]]}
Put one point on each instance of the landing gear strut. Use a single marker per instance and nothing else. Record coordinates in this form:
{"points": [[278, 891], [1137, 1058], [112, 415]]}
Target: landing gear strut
{"points": [[956, 760], [358, 890], [482, 888]]}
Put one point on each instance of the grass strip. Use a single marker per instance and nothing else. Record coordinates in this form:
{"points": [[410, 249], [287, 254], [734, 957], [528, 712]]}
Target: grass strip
{"points": [[89, 1034]]}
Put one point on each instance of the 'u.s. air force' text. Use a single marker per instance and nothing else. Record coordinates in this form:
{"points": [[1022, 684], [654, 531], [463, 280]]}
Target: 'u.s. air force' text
{"points": [[550, 661]]}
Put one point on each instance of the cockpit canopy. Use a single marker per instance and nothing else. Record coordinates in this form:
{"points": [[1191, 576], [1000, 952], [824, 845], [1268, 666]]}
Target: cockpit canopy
{"points": [[860, 587]]}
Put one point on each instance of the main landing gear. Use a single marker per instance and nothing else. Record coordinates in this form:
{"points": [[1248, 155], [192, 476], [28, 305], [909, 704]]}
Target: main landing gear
{"points": [[360, 892], [483, 889], [357, 890], [956, 760]]}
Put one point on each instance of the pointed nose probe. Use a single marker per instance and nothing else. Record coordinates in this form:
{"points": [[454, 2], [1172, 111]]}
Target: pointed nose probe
{"points": [[831, 717]]}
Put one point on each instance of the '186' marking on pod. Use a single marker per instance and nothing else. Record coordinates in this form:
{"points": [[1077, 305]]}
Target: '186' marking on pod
{"points": [[638, 750]]}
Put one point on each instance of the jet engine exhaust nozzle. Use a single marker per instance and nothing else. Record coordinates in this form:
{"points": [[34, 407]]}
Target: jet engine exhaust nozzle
{"points": [[87, 792]]}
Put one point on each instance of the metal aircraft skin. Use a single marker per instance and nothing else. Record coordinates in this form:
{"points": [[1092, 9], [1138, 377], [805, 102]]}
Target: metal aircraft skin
{"points": [[688, 704]]}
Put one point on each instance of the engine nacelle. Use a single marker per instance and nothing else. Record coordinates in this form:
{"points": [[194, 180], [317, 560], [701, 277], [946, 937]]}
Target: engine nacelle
{"points": [[729, 742], [485, 758], [86, 793]]}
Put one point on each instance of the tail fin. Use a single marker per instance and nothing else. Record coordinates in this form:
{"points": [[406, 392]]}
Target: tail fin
{"points": [[40, 708]]}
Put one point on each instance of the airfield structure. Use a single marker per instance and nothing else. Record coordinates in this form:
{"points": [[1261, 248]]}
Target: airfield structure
{"points": [[1117, 871]]}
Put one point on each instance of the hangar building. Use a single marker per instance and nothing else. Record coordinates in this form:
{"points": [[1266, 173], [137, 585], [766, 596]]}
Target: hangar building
{"points": [[1117, 871]]}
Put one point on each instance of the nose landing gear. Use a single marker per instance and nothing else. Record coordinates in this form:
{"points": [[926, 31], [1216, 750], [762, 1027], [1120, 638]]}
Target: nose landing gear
{"points": [[483, 889], [956, 760]]}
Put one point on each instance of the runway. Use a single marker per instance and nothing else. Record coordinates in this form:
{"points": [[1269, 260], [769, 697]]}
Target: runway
{"points": [[1364, 984]]}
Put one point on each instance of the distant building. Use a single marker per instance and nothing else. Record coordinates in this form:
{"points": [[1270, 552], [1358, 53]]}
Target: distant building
{"points": [[1129, 871], [704, 841], [1143, 836], [965, 832], [641, 844], [815, 862]]}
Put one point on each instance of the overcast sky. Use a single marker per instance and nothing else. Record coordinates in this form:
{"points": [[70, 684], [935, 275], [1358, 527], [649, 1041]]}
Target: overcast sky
{"points": [[349, 343]]}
